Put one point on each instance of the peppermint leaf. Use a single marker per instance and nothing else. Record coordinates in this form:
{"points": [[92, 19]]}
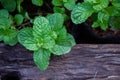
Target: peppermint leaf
{"points": [[37, 2], [81, 13], [41, 58], [26, 38]]}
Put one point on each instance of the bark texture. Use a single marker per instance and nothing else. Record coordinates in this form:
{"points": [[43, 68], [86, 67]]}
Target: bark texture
{"points": [[84, 62]]}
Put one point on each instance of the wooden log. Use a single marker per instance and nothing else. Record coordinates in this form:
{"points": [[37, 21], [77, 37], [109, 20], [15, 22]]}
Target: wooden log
{"points": [[84, 62]]}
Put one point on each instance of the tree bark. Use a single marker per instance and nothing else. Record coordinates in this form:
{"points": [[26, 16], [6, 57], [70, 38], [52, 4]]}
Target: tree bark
{"points": [[84, 62]]}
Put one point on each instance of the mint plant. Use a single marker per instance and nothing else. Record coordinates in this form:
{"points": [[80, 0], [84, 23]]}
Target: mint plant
{"points": [[60, 6], [8, 33], [48, 36], [101, 12], [62, 11], [68, 4], [18, 19]]}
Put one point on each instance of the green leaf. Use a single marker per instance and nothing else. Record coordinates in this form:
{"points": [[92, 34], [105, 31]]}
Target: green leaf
{"points": [[41, 58], [116, 3], [19, 8], [26, 38], [57, 2], [104, 25], [4, 13], [62, 11], [96, 24], [91, 1], [68, 41], [56, 20], [112, 11], [66, 17], [5, 23], [48, 42], [65, 39], [71, 40], [61, 33], [53, 34], [59, 10], [37, 2], [81, 13], [103, 18], [102, 21], [114, 22], [10, 5], [1, 34], [9, 36], [101, 4], [26, 15], [41, 26], [59, 49], [18, 19], [65, 0], [64, 42], [69, 4], [10, 41]]}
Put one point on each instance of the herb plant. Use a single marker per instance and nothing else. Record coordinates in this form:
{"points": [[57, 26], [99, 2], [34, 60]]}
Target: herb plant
{"points": [[68, 4], [103, 13], [11, 5], [48, 36], [8, 33], [60, 6]]}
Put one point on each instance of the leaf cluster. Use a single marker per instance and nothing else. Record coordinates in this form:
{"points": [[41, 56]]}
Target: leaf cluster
{"points": [[8, 33], [60, 6], [68, 4], [103, 13], [47, 36]]}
